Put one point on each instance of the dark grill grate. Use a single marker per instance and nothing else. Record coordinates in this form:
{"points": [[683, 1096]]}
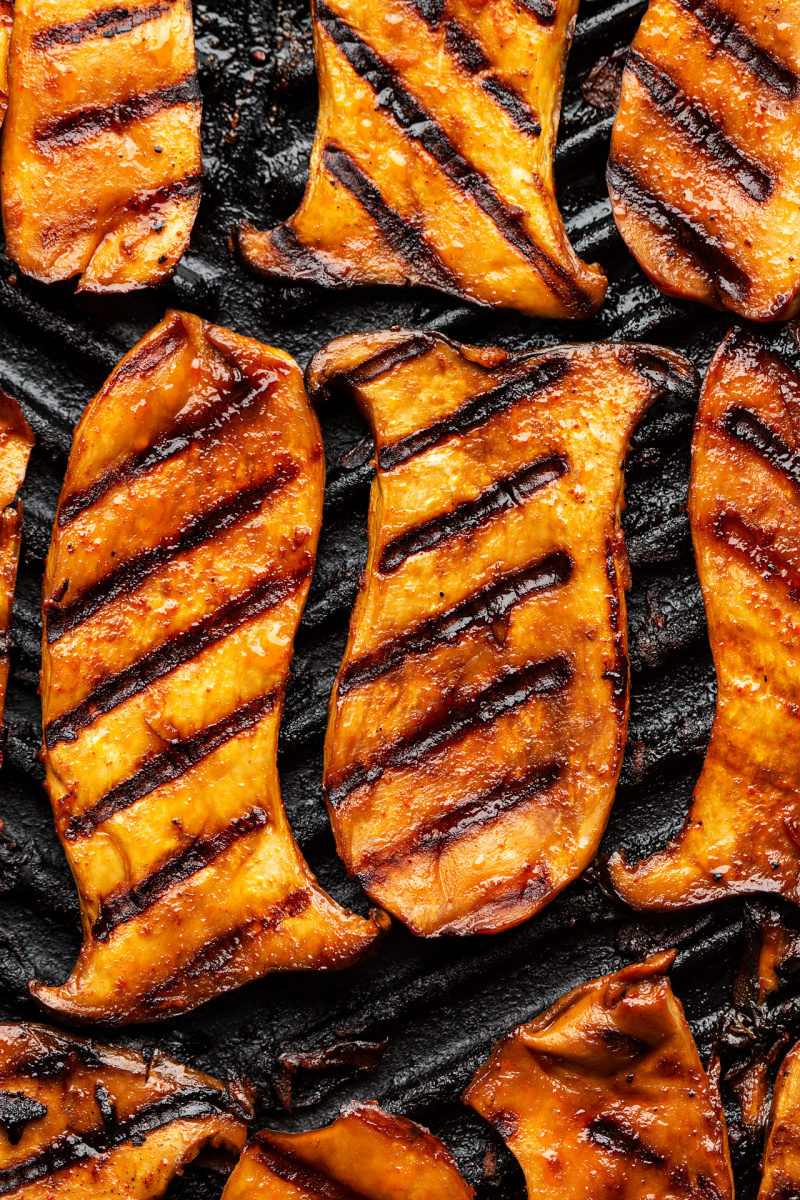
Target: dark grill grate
{"points": [[440, 1005]]}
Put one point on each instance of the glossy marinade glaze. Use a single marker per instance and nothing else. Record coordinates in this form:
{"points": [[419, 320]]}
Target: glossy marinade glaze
{"points": [[705, 153], [742, 833], [101, 168], [477, 725], [81, 1119], [604, 1095], [181, 559], [432, 162]]}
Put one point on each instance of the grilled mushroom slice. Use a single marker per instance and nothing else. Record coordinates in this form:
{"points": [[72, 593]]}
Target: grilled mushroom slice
{"points": [[101, 167], [704, 170], [478, 721], [604, 1095], [16, 442], [365, 1153], [433, 160], [742, 833], [181, 559], [6, 22], [781, 1175], [80, 1119]]}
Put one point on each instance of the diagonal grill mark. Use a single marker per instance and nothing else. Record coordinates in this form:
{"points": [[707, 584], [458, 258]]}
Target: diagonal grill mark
{"points": [[233, 400], [466, 49], [743, 425], [135, 570], [477, 410], [732, 37], [107, 23], [178, 649], [409, 350], [756, 545], [701, 128], [728, 276], [490, 603], [73, 1148], [402, 236], [418, 124], [144, 359], [302, 260], [499, 698], [80, 126], [501, 496], [170, 765], [513, 104], [464, 818], [122, 907], [308, 1180], [609, 1132]]}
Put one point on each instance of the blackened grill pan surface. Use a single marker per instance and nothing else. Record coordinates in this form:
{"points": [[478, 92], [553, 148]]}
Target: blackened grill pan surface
{"points": [[438, 1006]]}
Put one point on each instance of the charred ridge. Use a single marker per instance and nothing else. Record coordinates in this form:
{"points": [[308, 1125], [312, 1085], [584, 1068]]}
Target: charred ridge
{"points": [[477, 410], [680, 227], [513, 105], [72, 1148], [305, 1178], [464, 818], [732, 37], [410, 349], [490, 603], [180, 648], [218, 952], [189, 185], [106, 23], [201, 429], [64, 1055], [748, 428], [502, 696], [170, 764], [464, 48], [300, 261], [132, 573], [403, 237], [700, 128], [608, 1131], [757, 547], [501, 496], [118, 909], [85, 124], [143, 360], [418, 124], [662, 374], [18, 1110], [544, 10]]}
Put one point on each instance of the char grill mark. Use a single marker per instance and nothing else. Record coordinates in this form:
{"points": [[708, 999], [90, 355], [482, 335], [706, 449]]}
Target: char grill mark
{"points": [[305, 262], [729, 35], [386, 360], [757, 547], [466, 49], [545, 10], [107, 23], [73, 1148], [143, 359], [503, 495], [88, 123], [175, 652], [475, 411], [170, 765], [700, 128], [746, 427], [490, 603], [217, 953], [671, 221], [185, 188], [134, 571], [235, 399], [499, 698], [118, 909], [512, 103], [402, 236], [463, 819], [307, 1179], [611, 1133], [418, 124]]}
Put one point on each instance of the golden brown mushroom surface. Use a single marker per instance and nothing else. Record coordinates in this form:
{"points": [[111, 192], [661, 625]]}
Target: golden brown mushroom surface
{"points": [[742, 833], [477, 725], [705, 154], [604, 1096], [79, 1119], [180, 562], [433, 158], [101, 168], [366, 1154], [781, 1170], [16, 442]]}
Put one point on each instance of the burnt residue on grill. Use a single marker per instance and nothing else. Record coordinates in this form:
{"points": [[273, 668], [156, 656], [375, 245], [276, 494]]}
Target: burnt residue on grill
{"points": [[435, 1009]]}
